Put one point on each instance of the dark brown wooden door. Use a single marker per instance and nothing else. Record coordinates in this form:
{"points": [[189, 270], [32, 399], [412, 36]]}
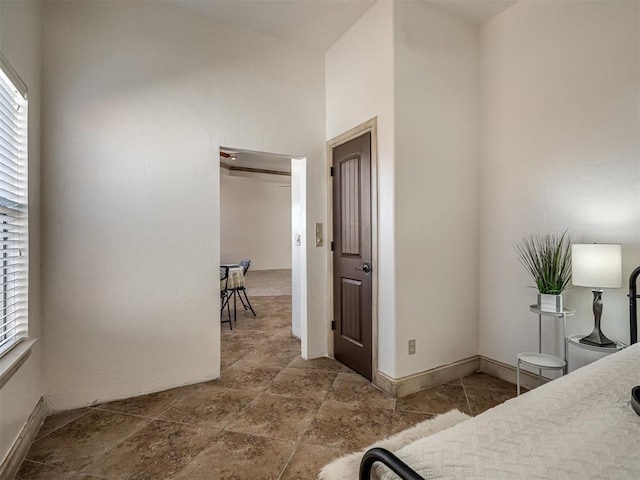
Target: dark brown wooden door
{"points": [[352, 254]]}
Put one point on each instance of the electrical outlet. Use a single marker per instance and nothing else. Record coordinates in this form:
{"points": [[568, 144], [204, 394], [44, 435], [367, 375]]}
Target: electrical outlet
{"points": [[412, 346]]}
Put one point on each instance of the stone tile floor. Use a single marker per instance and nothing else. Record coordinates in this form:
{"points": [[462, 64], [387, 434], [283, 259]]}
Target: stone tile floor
{"points": [[271, 415]]}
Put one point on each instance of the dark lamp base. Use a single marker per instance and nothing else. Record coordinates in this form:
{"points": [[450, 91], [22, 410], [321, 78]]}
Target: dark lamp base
{"points": [[596, 338]]}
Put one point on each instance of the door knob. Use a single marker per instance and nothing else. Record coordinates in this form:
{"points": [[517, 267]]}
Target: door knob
{"points": [[366, 268]]}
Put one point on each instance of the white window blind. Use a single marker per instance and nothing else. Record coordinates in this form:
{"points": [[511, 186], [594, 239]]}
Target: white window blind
{"points": [[14, 263]]}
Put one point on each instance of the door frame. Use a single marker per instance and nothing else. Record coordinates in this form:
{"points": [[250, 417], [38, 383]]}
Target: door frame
{"points": [[370, 126]]}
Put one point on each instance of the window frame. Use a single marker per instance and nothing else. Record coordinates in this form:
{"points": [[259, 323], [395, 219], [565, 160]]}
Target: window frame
{"points": [[14, 211]]}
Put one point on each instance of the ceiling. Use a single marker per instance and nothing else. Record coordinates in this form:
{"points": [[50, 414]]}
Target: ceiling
{"points": [[475, 12], [262, 161], [317, 24]]}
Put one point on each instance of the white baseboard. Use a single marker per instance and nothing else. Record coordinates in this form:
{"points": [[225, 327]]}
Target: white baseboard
{"points": [[401, 387], [20, 448]]}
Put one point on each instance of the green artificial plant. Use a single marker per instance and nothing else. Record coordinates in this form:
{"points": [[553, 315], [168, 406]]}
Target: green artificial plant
{"points": [[547, 258]]}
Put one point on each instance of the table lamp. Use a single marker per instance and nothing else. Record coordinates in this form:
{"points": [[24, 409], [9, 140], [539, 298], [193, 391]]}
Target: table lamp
{"points": [[598, 266]]}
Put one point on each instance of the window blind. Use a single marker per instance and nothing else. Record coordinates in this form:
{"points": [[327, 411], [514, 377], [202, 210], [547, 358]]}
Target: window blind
{"points": [[14, 264]]}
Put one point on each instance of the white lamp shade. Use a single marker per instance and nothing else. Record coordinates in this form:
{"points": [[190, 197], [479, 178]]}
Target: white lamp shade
{"points": [[596, 265]]}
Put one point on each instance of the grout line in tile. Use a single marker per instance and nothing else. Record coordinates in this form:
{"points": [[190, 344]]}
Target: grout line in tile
{"points": [[46, 465], [174, 403], [39, 463], [426, 413], [464, 389], [91, 475], [83, 470], [488, 387], [93, 460], [297, 397], [62, 426], [270, 437], [337, 372], [351, 404], [239, 415], [293, 452], [224, 428], [493, 389], [146, 417], [299, 439]]}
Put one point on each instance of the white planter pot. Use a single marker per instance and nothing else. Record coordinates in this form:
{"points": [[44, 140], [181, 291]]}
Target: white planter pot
{"points": [[550, 303]]}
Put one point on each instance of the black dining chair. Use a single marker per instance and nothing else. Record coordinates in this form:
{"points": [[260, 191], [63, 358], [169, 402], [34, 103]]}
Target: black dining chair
{"points": [[225, 295], [245, 264]]}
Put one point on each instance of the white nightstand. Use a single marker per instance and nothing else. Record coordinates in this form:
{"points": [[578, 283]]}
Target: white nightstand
{"points": [[575, 340], [544, 361]]}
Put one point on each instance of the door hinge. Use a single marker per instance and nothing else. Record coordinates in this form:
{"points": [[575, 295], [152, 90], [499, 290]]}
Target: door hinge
{"points": [[332, 246], [331, 171], [333, 324]]}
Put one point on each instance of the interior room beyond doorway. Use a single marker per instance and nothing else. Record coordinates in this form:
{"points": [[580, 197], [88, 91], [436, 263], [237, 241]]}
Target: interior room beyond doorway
{"points": [[259, 215]]}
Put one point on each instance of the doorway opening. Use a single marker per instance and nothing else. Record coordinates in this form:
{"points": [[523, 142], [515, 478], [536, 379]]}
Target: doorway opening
{"points": [[262, 221]]}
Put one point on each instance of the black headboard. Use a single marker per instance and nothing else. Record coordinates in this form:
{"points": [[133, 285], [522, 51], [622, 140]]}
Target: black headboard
{"points": [[633, 305]]}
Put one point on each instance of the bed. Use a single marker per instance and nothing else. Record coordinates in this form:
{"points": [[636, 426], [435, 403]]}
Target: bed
{"points": [[580, 426]]}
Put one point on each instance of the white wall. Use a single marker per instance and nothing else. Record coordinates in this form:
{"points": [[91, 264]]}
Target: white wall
{"points": [[138, 98], [299, 259], [436, 187], [255, 222], [415, 68], [20, 43], [359, 86], [560, 103]]}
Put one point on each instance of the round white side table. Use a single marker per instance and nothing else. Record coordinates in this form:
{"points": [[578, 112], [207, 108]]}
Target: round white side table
{"points": [[575, 341], [541, 361], [544, 361]]}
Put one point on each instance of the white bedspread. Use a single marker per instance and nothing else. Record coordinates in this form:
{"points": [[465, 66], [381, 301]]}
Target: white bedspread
{"points": [[580, 426]]}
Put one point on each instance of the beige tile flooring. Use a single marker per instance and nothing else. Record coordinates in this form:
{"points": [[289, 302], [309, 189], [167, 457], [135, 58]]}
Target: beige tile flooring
{"points": [[268, 283], [271, 415]]}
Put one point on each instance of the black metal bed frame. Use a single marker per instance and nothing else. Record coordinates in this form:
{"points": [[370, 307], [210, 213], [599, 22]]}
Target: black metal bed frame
{"points": [[633, 305], [405, 472], [387, 458]]}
